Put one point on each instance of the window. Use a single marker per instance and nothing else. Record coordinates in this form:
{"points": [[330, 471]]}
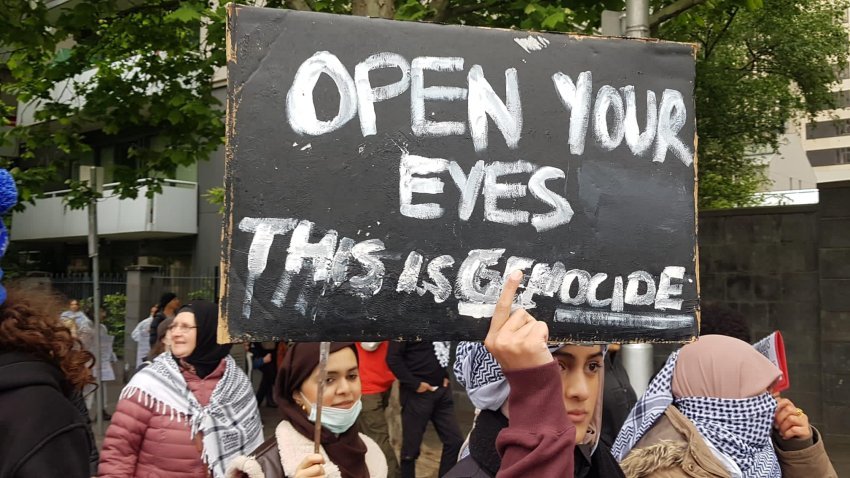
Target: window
{"points": [[115, 152], [841, 99], [843, 73], [829, 157], [828, 129]]}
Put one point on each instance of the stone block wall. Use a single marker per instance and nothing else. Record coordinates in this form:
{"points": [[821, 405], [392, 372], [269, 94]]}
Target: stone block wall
{"points": [[834, 284], [788, 268], [764, 263]]}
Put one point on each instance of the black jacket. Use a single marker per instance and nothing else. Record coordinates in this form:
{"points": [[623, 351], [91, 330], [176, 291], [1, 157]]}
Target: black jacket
{"points": [[43, 433], [415, 362], [618, 399]]}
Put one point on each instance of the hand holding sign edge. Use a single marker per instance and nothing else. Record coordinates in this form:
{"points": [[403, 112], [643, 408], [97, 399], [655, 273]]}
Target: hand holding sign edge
{"points": [[516, 339]]}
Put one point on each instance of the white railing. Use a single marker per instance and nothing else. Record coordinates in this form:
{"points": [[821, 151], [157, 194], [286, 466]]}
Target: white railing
{"points": [[788, 198], [173, 212], [111, 186]]}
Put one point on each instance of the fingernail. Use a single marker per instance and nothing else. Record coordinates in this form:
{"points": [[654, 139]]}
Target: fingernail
{"points": [[516, 275]]}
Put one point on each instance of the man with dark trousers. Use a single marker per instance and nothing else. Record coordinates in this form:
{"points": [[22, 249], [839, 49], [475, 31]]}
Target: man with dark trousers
{"points": [[422, 371]]}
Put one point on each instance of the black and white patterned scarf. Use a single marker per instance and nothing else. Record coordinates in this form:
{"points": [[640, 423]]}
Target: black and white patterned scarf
{"points": [[738, 428], [442, 351], [230, 423]]}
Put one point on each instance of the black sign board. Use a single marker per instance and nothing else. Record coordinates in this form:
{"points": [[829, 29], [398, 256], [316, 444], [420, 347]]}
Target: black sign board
{"points": [[383, 177]]}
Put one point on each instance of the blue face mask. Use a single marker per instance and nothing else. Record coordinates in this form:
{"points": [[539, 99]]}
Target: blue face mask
{"points": [[337, 420]]}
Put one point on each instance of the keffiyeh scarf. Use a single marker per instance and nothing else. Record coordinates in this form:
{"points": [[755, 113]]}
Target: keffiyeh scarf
{"points": [[738, 428], [230, 423], [442, 351], [479, 373]]}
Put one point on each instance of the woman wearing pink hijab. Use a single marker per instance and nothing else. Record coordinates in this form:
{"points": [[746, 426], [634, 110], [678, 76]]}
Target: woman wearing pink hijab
{"points": [[709, 413]]}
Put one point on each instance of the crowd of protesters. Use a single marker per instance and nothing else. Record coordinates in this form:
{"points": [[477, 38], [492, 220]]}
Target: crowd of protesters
{"points": [[542, 409]]}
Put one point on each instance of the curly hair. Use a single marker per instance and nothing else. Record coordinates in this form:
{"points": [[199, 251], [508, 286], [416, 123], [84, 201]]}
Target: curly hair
{"points": [[29, 322]]}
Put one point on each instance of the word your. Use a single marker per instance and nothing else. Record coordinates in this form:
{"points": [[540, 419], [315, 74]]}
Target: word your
{"points": [[613, 111], [476, 285]]}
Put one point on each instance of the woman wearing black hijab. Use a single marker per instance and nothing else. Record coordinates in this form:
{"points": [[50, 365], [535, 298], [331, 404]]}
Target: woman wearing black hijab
{"points": [[344, 453], [189, 413]]}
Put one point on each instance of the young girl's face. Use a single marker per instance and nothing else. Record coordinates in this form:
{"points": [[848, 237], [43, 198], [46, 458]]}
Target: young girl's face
{"points": [[342, 386], [581, 373]]}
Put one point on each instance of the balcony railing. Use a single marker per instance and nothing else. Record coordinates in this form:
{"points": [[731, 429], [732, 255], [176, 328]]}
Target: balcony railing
{"points": [[171, 213]]}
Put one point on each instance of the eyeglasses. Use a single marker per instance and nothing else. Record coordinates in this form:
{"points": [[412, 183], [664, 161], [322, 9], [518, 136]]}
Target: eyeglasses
{"points": [[181, 327]]}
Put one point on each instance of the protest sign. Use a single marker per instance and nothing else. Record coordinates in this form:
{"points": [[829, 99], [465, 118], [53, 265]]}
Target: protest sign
{"points": [[383, 177]]}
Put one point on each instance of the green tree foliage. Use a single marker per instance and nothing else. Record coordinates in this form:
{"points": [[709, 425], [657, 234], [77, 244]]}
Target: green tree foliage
{"points": [[760, 64], [152, 72], [115, 308]]}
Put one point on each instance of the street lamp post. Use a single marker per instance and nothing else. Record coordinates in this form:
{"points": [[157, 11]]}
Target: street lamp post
{"points": [[94, 175], [637, 18], [637, 358]]}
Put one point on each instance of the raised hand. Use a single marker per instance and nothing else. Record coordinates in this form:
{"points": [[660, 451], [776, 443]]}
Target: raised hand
{"points": [[516, 339], [790, 421]]}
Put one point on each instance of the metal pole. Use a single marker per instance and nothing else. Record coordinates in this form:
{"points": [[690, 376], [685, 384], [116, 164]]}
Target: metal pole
{"points": [[637, 18], [637, 358], [93, 251], [324, 351]]}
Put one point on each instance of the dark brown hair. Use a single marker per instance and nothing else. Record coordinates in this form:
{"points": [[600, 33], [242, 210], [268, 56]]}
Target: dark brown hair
{"points": [[159, 346], [720, 319], [29, 322]]}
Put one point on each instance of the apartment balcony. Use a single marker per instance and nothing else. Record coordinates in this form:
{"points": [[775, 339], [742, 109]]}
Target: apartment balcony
{"points": [[172, 213]]}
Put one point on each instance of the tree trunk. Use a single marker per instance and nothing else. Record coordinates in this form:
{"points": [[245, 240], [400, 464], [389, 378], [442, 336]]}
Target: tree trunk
{"points": [[373, 8], [441, 10], [298, 5]]}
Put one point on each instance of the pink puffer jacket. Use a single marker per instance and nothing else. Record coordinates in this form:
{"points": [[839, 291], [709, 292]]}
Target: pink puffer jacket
{"points": [[145, 444]]}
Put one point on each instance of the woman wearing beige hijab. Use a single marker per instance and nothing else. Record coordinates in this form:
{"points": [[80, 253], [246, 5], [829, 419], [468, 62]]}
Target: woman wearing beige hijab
{"points": [[709, 413]]}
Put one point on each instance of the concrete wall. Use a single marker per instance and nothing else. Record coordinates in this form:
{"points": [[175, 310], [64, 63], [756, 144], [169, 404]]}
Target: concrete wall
{"points": [[834, 275], [208, 241], [788, 268], [763, 262]]}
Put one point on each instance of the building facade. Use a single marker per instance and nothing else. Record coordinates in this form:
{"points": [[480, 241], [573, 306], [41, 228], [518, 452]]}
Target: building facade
{"points": [[826, 140]]}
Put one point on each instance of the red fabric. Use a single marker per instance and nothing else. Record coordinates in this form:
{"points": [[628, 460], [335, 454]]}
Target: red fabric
{"points": [[145, 444], [375, 375], [540, 438], [281, 352]]}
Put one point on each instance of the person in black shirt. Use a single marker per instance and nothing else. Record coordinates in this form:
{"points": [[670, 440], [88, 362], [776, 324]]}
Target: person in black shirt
{"points": [[265, 360], [421, 368]]}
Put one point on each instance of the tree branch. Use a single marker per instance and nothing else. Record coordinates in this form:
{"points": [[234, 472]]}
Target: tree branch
{"points": [[298, 5], [710, 48], [373, 8], [750, 66], [671, 11], [469, 9], [441, 10]]}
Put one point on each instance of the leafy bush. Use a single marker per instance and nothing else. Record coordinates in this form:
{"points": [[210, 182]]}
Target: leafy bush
{"points": [[205, 294]]}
